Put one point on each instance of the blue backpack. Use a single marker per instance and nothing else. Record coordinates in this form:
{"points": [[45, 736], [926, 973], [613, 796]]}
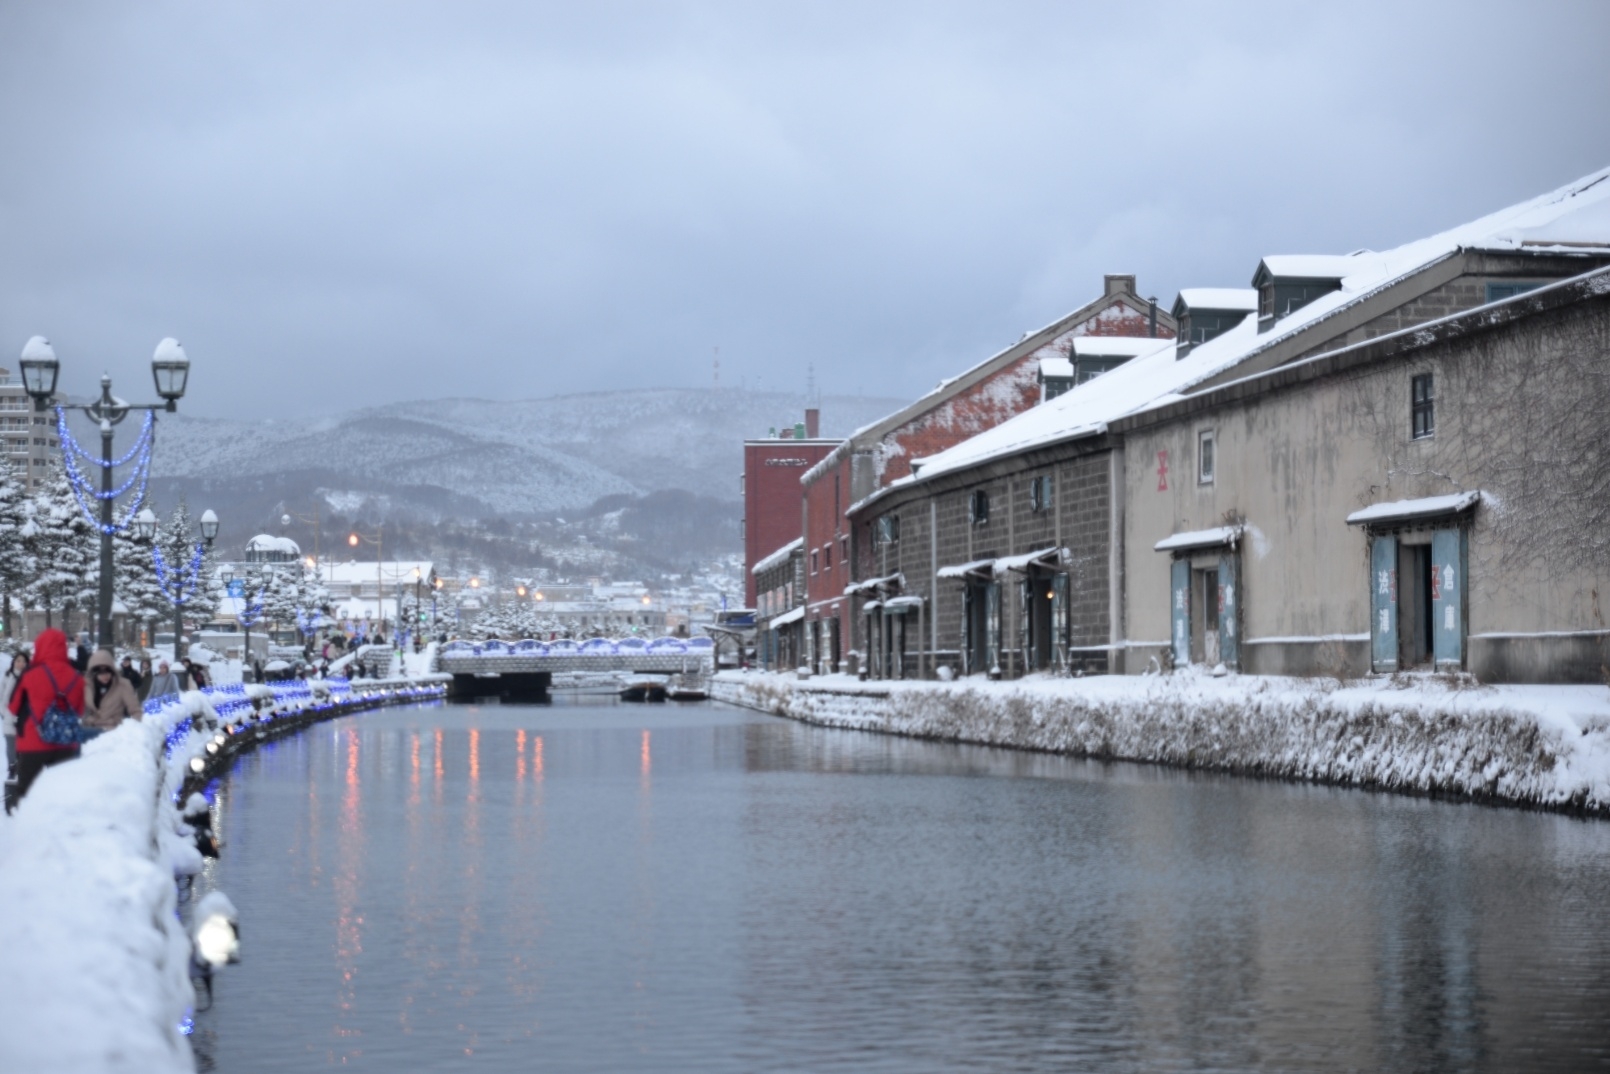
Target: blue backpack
{"points": [[60, 725]]}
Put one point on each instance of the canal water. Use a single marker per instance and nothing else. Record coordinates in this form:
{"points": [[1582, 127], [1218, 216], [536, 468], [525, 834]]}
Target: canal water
{"points": [[590, 886]]}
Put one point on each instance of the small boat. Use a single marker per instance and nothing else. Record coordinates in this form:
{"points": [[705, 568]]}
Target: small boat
{"points": [[644, 690]]}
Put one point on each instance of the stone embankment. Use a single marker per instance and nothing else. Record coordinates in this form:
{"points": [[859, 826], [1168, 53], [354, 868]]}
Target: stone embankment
{"points": [[1538, 746], [92, 949]]}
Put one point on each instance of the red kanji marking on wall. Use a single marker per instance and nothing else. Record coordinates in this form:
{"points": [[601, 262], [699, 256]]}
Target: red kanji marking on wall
{"points": [[1162, 471]]}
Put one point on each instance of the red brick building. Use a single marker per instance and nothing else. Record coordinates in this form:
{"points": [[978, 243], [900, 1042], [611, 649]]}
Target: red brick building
{"points": [[772, 468], [1000, 387]]}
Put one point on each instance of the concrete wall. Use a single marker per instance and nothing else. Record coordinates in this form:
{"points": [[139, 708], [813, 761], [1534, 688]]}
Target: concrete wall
{"points": [[1520, 415]]}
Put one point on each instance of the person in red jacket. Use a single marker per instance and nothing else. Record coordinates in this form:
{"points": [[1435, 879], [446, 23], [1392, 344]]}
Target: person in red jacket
{"points": [[35, 693]]}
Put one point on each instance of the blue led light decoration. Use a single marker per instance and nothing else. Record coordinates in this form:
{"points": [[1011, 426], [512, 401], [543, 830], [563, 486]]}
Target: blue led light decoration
{"points": [[86, 488]]}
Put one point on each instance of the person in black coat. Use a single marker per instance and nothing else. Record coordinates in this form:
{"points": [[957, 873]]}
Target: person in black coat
{"points": [[126, 669]]}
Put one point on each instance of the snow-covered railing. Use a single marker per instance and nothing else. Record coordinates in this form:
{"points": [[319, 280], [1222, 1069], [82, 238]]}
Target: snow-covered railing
{"points": [[90, 931]]}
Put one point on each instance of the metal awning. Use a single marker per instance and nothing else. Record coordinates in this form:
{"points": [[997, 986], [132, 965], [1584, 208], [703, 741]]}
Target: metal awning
{"points": [[901, 605], [871, 606], [1415, 510], [793, 615], [1022, 562], [875, 583], [1220, 537], [962, 570]]}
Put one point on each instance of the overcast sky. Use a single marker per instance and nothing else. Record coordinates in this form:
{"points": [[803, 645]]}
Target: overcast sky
{"points": [[338, 204]]}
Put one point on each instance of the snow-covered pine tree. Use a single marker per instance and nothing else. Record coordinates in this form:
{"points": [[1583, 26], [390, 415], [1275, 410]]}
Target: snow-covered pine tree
{"points": [[279, 585], [63, 547], [15, 563], [177, 540], [134, 583]]}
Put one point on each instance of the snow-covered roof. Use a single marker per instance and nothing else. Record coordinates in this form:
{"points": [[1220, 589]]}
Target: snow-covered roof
{"points": [[267, 542], [1217, 537], [1314, 266], [779, 557], [391, 571], [1157, 379], [1117, 346], [793, 615], [1219, 298], [910, 600], [1055, 367], [1407, 510]]}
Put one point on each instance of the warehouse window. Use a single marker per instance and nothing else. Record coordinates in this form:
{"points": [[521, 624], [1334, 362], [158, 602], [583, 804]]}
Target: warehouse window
{"points": [[1422, 402], [978, 507], [1205, 457], [1040, 493]]}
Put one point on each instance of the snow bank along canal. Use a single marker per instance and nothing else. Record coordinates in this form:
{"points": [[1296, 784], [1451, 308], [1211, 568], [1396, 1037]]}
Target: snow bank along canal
{"points": [[589, 886]]}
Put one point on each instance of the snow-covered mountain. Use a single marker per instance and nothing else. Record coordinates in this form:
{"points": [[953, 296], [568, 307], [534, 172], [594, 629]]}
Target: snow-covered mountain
{"points": [[479, 458]]}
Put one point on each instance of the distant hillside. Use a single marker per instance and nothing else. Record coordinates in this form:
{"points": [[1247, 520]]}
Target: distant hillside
{"points": [[466, 459]]}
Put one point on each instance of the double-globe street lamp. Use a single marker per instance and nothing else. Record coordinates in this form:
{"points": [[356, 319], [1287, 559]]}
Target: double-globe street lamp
{"points": [[170, 369]]}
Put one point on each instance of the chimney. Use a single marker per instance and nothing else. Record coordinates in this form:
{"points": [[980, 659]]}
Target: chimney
{"points": [[1119, 285], [1151, 315], [813, 422]]}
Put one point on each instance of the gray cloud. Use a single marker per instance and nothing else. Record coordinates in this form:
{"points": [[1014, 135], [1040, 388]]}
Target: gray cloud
{"points": [[335, 204]]}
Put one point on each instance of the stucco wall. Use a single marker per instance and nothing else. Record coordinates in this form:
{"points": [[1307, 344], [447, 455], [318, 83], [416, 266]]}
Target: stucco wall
{"points": [[1516, 408]]}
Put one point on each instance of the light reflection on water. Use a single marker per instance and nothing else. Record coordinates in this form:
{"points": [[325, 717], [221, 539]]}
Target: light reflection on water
{"points": [[590, 887]]}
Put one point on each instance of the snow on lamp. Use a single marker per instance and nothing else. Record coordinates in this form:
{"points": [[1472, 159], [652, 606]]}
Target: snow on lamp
{"points": [[171, 369], [40, 370], [145, 524], [209, 525]]}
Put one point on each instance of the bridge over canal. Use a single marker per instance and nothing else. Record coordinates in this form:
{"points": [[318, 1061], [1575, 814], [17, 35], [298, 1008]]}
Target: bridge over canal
{"points": [[522, 675]]}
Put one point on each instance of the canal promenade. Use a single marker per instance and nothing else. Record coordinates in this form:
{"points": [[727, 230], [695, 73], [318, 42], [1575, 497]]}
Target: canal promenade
{"points": [[91, 938], [1536, 746]]}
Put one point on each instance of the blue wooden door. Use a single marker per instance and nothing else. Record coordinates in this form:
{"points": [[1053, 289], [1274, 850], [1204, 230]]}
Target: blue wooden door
{"points": [[1447, 598], [992, 626], [967, 630], [1059, 619], [1384, 603], [1229, 607], [1180, 611]]}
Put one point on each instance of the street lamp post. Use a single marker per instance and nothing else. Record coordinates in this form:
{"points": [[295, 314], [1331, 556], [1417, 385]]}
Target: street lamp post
{"points": [[353, 540], [291, 516], [171, 371]]}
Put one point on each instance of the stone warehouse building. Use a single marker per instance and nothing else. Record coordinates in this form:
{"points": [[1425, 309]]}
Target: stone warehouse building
{"points": [[1014, 551], [1095, 338], [1437, 497]]}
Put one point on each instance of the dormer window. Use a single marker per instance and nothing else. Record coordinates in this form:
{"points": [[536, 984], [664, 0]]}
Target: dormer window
{"points": [[1288, 282], [1205, 313]]}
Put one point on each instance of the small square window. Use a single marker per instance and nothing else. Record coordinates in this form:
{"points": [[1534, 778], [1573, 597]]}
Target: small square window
{"points": [[1206, 450], [978, 507], [889, 529], [1422, 407], [813, 561]]}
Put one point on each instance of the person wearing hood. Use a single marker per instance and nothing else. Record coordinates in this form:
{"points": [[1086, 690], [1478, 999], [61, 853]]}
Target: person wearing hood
{"points": [[49, 680], [164, 682], [109, 698]]}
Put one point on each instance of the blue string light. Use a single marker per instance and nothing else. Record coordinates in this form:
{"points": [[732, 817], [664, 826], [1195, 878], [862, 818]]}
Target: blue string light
{"points": [[84, 489], [174, 589]]}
